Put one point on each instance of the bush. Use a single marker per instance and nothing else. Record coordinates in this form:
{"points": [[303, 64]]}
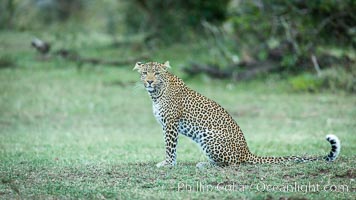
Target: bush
{"points": [[58, 10], [7, 61], [32, 14], [306, 82], [338, 78], [296, 28], [334, 79], [7, 11], [173, 20]]}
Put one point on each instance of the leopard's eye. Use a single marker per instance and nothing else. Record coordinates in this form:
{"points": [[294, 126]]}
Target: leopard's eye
{"points": [[157, 73], [144, 73]]}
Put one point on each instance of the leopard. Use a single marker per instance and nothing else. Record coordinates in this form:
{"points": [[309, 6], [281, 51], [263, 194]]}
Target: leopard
{"points": [[181, 110]]}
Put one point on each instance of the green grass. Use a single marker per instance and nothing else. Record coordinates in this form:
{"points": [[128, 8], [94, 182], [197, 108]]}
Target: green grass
{"points": [[84, 134]]}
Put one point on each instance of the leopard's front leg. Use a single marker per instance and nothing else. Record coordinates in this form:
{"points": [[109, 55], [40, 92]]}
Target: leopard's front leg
{"points": [[170, 131]]}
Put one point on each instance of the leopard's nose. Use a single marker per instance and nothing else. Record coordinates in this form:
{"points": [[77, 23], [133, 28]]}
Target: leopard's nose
{"points": [[149, 82]]}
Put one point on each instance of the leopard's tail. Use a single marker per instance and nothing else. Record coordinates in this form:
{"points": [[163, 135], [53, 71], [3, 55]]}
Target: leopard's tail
{"points": [[333, 154]]}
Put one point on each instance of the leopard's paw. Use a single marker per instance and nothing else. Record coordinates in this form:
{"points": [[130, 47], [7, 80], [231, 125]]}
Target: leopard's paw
{"points": [[165, 164], [204, 165]]}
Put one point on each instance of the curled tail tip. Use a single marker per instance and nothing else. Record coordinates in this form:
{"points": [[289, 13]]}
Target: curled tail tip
{"points": [[335, 147], [332, 137]]}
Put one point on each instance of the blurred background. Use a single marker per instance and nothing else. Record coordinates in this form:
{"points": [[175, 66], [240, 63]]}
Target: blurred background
{"points": [[309, 44]]}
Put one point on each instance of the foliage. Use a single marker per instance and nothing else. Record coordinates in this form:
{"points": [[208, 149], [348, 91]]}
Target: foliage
{"points": [[30, 14], [333, 79], [229, 34], [339, 79], [293, 29], [306, 82], [7, 11], [7, 61], [173, 20], [54, 10]]}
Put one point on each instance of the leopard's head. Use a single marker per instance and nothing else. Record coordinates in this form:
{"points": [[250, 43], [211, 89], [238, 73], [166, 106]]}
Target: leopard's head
{"points": [[152, 75]]}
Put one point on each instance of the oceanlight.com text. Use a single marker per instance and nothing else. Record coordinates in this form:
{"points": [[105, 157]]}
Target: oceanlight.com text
{"points": [[261, 187]]}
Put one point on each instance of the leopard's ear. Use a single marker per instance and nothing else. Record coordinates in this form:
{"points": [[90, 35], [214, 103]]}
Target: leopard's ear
{"points": [[138, 66], [166, 65]]}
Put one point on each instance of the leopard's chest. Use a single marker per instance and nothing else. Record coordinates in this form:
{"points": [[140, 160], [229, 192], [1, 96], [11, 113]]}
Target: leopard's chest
{"points": [[158, 113]]}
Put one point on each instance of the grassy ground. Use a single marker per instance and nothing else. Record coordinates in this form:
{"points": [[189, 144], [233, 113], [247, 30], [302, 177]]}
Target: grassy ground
{"points": [[66, 133]]}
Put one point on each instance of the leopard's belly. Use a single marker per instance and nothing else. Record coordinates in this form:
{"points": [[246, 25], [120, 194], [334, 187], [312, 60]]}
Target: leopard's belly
{"points": [[200, 135], [193, 132]]}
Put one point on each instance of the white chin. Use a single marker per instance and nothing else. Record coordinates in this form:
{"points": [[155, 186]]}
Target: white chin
{"points": [[150, 89]]}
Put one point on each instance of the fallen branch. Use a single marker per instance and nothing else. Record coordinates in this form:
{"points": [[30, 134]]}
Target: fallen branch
{"points": [[211, 70], [250, 70], [44, 49], [72, 56], [256, 69]]}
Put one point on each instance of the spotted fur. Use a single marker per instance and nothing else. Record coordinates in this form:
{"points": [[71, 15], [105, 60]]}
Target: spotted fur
{"points": [[180, 109]]}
